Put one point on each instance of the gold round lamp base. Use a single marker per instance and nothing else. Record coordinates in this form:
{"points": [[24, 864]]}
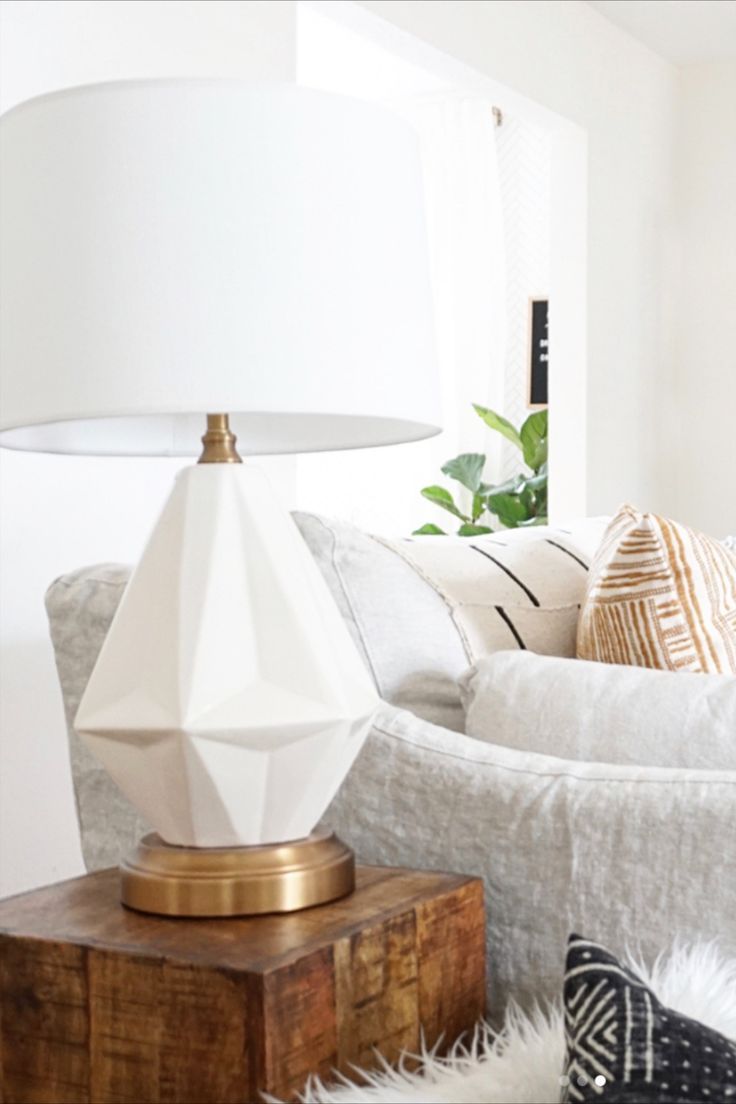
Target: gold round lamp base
{"points": [[236, 881]]}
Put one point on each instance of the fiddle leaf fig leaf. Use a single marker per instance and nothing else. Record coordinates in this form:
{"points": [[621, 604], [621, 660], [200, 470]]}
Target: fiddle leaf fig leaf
{"points": [[509, 486], [509, 509], [429, 530], [468, 530], [466, 469], [442, 497], [536, 482], [533, 436], [479, 505], [501, 425]]}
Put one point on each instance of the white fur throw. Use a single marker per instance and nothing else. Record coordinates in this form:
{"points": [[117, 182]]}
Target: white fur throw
{"points": [[523, 1063]]}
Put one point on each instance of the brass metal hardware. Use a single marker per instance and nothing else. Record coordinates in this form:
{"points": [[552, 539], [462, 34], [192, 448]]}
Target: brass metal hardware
{"points": [[219, 442], [236, 881]]}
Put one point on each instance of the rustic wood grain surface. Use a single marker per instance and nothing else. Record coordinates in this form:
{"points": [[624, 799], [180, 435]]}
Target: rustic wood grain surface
{"points": [[102, 1005]]}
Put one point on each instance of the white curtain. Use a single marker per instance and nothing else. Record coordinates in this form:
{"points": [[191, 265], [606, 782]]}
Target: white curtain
{"points": [[465, 227], [379, 489]]}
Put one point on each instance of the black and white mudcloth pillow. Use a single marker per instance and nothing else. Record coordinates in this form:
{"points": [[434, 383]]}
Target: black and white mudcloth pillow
{"points": [[625, 1047], [519, 588]]}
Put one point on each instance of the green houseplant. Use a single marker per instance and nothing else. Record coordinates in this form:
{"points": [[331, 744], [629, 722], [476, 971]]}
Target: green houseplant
{"points": [[519, 501]]}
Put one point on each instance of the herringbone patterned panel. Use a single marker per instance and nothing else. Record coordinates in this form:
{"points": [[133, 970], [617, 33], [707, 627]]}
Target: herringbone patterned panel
{"points": [[524, 170]]}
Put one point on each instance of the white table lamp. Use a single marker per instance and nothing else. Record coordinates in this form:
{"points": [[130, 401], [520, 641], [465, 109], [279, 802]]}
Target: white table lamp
{"points": [[170, 248]]}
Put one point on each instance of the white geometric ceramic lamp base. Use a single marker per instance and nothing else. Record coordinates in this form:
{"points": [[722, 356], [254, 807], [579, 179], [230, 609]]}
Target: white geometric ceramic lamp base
{"points": [[228, 701]]}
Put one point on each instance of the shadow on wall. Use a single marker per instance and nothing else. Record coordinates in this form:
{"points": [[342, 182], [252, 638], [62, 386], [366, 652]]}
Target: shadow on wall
{"points": [[39, 839]]}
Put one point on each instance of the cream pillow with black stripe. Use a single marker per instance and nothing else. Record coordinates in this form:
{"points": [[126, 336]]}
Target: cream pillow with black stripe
{"points": [[660, 595], [519, 588]]}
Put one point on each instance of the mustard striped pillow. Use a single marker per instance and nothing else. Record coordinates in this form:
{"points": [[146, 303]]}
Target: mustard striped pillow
{"points": [[660, 595]]}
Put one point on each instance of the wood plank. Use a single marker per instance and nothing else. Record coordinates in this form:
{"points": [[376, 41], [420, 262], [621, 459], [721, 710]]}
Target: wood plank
{"points": [[206, 1021], [43, 993], [377, 996], [451, 953], [166, 1033], [125, 1030], [300, 1024]]}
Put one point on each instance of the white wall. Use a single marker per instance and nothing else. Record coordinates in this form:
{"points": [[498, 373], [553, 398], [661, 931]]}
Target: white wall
{"points": [[701, 453], [381, 56], [59, 513], [565, 56]]}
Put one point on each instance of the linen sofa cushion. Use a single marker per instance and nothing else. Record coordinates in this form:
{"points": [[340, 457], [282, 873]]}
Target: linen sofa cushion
{"points": [[597, 712], [80, 607], [660, 595], [633, 856], [400, 624]]}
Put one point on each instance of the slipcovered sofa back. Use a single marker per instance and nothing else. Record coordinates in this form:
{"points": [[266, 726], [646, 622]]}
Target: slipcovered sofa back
{"points": [[420, 612]]}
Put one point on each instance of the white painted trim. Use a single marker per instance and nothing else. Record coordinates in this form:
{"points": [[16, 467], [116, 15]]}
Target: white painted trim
{"points": [[568, 323]]}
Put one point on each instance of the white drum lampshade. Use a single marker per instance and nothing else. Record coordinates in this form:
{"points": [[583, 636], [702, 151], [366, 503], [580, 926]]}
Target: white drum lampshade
{"points": [[172, 248], [176, 247]]}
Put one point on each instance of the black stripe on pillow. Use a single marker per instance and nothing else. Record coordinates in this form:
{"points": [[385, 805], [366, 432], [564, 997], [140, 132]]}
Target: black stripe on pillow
{"points": [[524, 587], [568, 552], [505, 617]]}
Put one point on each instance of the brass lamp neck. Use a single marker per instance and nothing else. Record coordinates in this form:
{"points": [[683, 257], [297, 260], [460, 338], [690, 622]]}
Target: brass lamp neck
{"points": [[219, 442]]}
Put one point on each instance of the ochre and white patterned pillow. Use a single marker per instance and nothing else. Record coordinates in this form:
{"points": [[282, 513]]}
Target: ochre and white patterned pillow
{"points": [[660, 595]]}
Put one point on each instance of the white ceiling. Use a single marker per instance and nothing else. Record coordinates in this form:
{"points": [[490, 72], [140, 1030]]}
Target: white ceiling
{"points": [[681, 30]]}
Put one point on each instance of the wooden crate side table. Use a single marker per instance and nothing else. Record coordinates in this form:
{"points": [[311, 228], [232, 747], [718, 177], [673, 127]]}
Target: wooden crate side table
{"points": [[102, 1005]]}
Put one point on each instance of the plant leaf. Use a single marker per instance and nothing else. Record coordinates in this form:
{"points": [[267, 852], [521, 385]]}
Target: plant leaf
{"points": [[509, 509], [526, 497], [501, 425], [442, 497], [479, 505], [536, 482], [509, 486], [429, 530], [467, 530], [540, 519], [533, 435], [466, 469]]}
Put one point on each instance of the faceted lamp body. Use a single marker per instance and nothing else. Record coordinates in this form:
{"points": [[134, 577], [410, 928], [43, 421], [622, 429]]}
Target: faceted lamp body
{"points": [[228, 701]]}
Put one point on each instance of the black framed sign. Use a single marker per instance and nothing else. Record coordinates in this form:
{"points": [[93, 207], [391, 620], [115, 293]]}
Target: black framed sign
{"points": [[537, 394]]}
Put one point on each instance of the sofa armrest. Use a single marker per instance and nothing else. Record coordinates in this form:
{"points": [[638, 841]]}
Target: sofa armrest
{"points": [[624, 854]]}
